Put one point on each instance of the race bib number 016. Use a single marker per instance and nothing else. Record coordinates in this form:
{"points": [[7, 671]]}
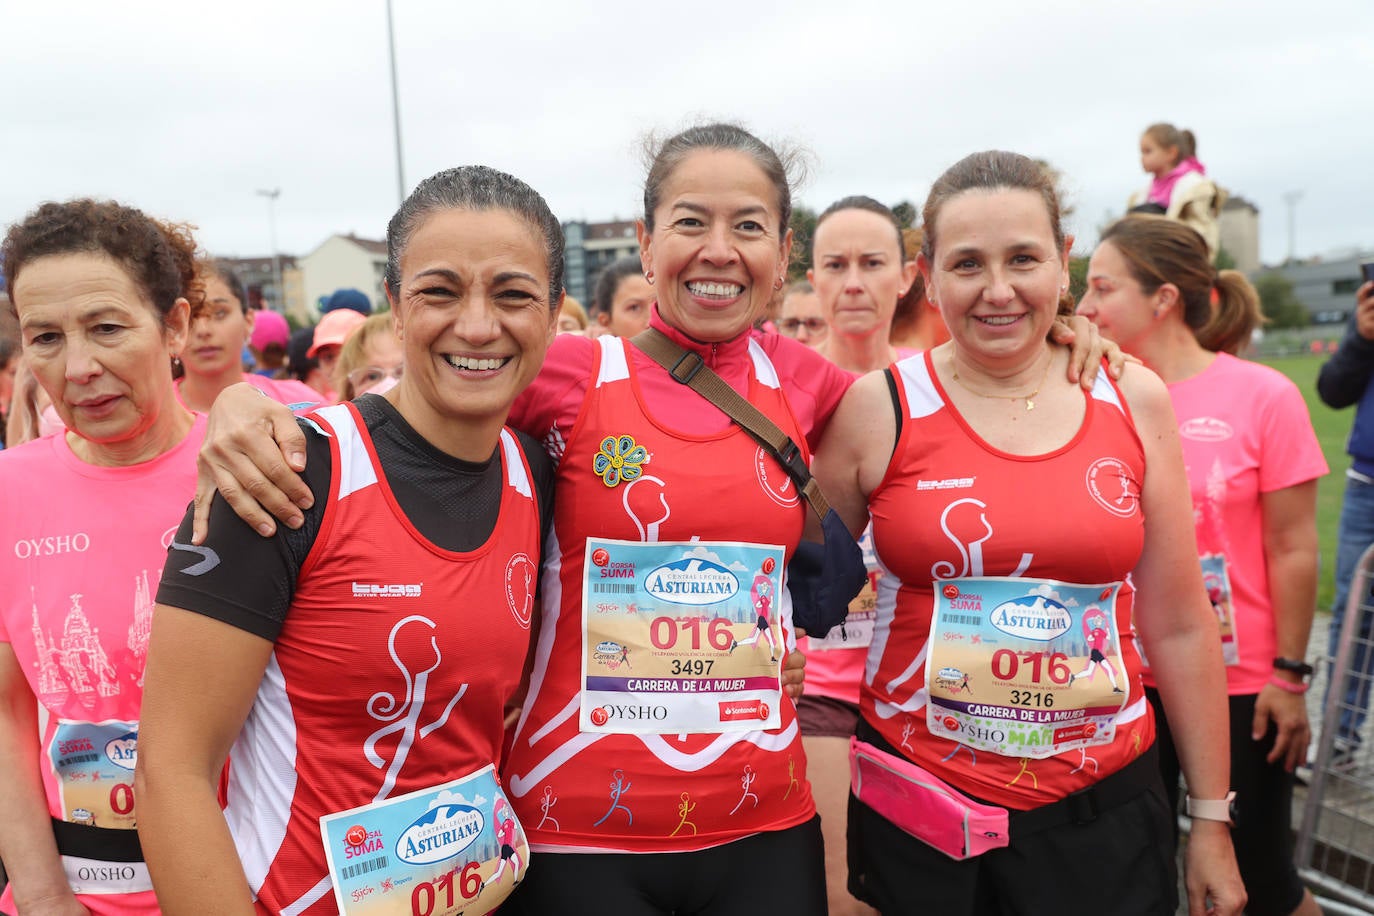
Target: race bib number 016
{"points": [[455, 848], [681, 637], [1024, 667]]}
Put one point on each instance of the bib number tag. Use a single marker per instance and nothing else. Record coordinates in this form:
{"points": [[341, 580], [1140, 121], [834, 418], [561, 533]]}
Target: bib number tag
{"points": [[681, 637], [1218, 583], [455, 848], [94, 765], [1024, 667]]}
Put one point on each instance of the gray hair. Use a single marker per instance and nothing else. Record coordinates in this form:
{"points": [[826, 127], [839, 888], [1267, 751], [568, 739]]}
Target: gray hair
{"points": [[474, 187], [663, 158]]}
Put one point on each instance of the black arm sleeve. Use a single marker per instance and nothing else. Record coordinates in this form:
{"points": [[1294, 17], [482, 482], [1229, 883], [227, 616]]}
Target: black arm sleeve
{"points": [[238, 576], [1344, 377]]}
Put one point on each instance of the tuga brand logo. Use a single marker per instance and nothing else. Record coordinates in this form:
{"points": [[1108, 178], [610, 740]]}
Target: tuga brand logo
{"points": [[741, 710], [1114, 486], [123, 751], [775, 480], [442, 832], [372, 590], [1206, 429], [693, 581], [949, 483], [52, 545], [1032, 617], [520, 576]]}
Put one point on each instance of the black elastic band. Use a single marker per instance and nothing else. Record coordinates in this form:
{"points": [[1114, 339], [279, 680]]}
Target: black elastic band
{"points": [[896, 405], [104, 844]]}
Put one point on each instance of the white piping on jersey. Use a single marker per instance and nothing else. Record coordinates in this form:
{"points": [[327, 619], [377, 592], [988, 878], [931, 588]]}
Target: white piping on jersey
{"points": [[309, 898], [764, 370], [355, 466], [515, 465], [615, 362]]}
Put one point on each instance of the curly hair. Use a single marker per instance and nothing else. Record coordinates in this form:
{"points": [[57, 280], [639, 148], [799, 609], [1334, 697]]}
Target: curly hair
{"points": [[160, 257]]}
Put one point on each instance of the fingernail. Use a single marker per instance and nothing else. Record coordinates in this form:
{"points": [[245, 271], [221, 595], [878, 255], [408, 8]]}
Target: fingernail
{"points": [[295, 521], [265, 530], [298, 460], [305, 502]]}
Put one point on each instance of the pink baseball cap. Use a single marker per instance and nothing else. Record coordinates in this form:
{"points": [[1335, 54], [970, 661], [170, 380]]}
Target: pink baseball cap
{"points": [[334, 328], [269, 327]]}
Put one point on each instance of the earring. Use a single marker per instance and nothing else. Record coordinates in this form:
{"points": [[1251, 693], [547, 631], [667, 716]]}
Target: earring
{"points": [[176, 361], [777, 284], [649, 276]]}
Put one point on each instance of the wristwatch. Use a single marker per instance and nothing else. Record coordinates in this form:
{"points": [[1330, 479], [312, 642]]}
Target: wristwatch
{"points": [[1297, 666], [1212, 809]]}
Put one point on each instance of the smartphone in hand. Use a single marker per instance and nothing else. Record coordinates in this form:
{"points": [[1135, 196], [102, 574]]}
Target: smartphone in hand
{"points": [[1367, 271]]}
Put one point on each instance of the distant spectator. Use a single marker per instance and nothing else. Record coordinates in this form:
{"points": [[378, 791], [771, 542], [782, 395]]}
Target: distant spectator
{"points": [[268, 341], [802, 317], [370, 360], [217, 336], [572, 317], [1348, 378], [623, 296], [303, 367], [1181, 189], [354, 299], [330, 335], [9, 367]]}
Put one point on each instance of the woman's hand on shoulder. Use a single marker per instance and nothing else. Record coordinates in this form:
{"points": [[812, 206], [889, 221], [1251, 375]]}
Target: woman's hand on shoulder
{"points": [[252, 452], [1087, 349]]}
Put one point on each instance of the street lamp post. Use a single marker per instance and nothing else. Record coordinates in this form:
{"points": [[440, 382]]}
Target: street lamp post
{"points": [[1291, 198], [272, 196], [395, 109]]}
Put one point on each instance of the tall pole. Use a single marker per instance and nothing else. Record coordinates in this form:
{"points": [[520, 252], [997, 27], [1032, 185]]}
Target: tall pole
{"points": [[272, 196], [395, 109], [1291, 198]]}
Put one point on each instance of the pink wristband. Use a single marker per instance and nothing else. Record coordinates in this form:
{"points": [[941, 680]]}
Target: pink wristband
{"points": [[1288, 685]]}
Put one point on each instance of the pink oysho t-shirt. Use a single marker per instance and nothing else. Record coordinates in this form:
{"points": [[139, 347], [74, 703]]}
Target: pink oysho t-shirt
{"points": [[296, 395], [1245, 432], [81, 553]]}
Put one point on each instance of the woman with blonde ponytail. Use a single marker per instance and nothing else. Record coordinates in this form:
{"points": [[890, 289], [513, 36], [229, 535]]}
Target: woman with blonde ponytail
{"points": [[1253, 463]]}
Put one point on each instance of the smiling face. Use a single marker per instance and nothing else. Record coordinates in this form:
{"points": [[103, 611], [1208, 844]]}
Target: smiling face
{"points": [[1115, 302], [1156, 159], [474, 320], [996, 273], [716, 250], [102, 353], [858, 272], [218, 333]]}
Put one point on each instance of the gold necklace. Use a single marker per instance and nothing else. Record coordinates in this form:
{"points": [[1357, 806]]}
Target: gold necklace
{"points": [[1028, 398]]}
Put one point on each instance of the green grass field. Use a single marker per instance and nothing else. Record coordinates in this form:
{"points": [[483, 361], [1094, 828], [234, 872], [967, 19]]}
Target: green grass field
{"points": [[1332, 427]]}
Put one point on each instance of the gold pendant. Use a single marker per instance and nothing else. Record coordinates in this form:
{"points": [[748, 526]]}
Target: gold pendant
{"points": [[1030, 405]]}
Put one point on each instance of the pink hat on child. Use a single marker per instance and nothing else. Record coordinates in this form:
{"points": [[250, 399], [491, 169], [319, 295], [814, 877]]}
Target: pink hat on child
{"points": [[269, 327]]}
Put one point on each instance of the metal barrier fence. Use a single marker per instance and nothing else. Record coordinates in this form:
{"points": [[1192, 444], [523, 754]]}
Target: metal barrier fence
{"points": [[1335, 840]]}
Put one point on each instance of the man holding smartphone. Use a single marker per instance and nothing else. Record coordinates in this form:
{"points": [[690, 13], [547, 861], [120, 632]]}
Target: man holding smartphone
{"points": [[1345, 379]]}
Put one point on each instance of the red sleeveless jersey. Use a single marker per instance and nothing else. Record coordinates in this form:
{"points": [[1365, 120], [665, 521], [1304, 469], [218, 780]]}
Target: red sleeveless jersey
{"points": [[391, 673], [952, 506], [591, 792]]}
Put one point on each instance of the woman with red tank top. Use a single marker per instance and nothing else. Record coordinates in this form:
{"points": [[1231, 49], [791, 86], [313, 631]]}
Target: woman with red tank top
{"points": [[1009, 509], [655, 770]]}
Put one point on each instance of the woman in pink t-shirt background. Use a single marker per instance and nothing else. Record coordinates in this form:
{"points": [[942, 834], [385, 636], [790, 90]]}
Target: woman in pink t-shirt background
{"points": [[1253, 462]]}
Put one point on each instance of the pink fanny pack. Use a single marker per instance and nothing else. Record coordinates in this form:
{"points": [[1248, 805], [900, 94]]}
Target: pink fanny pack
{"points": [[924, 805]]}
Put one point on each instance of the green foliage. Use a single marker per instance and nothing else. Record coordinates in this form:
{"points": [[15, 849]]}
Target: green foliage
{"points": [[803, 227], [1078, 278], [1224, 260], [906, 214], [1278, 302]]}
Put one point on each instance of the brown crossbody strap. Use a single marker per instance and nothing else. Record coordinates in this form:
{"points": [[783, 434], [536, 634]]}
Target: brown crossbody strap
{"points": [[688, 368]]}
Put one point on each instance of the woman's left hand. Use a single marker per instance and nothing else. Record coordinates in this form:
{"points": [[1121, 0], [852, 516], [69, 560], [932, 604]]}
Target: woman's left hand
{"points": [[1087, 349], [794, 674], [1213, 880], [1288, 713]]}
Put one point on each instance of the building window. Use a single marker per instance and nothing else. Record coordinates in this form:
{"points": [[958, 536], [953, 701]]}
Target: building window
{"points": [[1344, 286]]}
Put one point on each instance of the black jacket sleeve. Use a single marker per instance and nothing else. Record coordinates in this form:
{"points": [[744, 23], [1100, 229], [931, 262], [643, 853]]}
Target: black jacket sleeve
{"points": [[1346, 374]]}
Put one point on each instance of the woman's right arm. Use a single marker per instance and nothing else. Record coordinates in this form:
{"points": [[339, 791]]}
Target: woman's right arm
{"points": [[855, 449], [26, 843], [200, 683], [253, 453]]}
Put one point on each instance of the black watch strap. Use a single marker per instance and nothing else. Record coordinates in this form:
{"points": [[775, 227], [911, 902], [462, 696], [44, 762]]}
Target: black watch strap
{"points": [[1297, 666]]}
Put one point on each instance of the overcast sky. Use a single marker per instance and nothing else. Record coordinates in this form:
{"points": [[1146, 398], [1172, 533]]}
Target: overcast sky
{"points": [[187, 113]]}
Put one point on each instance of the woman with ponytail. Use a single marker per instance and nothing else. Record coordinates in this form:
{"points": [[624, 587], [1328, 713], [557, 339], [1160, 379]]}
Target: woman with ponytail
{"points": [[1253, 462]]}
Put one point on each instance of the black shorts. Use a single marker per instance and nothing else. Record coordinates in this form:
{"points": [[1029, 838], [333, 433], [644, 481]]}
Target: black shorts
{"points": [[1121, 862], [1263, 835], [778, 871], [763, 622], [1097, 656], [826, 717]]}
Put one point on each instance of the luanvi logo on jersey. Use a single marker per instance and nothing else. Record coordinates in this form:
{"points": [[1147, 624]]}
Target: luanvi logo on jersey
{"points": [[373, 590], [949, 483]]}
